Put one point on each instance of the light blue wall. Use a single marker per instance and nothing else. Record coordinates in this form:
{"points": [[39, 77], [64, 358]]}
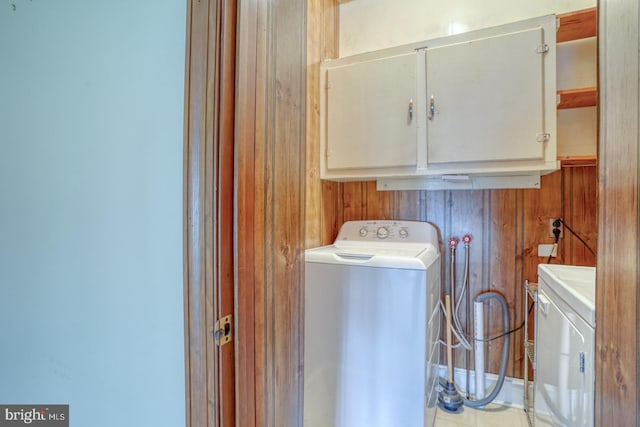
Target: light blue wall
{"points": [[91, 121]]}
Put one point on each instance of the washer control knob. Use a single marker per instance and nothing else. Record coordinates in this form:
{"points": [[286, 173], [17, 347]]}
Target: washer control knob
{"points": [[382, 233], [364, 232], [403, 233]]}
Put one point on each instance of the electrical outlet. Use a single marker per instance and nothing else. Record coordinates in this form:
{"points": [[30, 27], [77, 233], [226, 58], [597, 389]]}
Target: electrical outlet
{"points": [[552, 227]]}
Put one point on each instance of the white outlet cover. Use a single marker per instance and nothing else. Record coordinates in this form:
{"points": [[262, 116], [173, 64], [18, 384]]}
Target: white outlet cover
{"points": [[546, 250]]}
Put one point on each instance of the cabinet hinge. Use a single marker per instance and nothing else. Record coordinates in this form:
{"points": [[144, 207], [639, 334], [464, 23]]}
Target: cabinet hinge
{"points": [[582, 362], [543, 137], [223, 332], [543, 48]]}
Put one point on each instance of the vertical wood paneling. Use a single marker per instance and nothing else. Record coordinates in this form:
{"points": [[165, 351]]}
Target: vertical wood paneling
{"points": [[314, 199], [433, 209], [506, 225], [260, 204], [331, 213], [270, 166], [378, 204], [579, 215], [617, 290], [501, 272], [539, 207], [354, 201], [323, 199], [406, 205], [465, 216], [249, 372], [289, 64]]}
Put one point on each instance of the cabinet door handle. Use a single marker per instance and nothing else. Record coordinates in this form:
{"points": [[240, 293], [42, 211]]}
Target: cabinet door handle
{"points": [[432, 107], [410, 110]]}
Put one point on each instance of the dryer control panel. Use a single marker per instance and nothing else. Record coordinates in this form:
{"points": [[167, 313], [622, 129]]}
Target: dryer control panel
{"points": [[388, 231]]}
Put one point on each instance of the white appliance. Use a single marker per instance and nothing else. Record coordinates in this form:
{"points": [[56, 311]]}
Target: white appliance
{"points": [[565, 344], [371, 326]]}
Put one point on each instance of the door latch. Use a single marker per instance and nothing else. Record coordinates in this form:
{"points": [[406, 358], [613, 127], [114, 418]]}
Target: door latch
{"points": [[223, 330], [543, 137]]}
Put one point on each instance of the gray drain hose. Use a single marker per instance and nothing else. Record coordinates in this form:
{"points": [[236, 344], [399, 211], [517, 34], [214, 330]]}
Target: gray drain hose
{"points": [[505, 351]]}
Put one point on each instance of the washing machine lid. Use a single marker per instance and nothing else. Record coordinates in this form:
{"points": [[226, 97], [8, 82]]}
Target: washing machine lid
{"points": [[574, 284], [385, 244]]}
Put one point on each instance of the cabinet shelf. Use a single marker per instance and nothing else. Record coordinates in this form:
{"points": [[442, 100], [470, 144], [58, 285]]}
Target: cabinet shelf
{"points": [[576, 25], [576, 161], [577, 98]]}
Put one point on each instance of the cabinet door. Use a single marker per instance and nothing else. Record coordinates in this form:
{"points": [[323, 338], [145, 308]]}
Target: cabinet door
{"points": [[371, 110], [487, 99]]}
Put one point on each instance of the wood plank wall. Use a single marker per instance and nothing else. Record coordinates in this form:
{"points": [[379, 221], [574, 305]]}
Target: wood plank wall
{"points": [[270, 168], [617, 391], [323, 198], [506, 227]]}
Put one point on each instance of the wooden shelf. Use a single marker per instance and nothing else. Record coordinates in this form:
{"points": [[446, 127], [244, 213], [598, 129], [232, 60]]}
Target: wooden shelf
{"points": [[576, 161], [577, 25], [577, 98]]}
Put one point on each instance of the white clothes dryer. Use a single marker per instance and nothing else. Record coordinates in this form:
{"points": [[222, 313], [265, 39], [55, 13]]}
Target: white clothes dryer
{"points": [[565, 346], [371, 326]]}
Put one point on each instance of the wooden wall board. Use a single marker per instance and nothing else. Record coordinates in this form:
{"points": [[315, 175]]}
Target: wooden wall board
{"points": [[378, 204], [314, 187], [406, 205], [617, 374], [465, 215], [353, 201], [503, 237], [580, 216], [271, 163], [321, 197], [506, 226]]}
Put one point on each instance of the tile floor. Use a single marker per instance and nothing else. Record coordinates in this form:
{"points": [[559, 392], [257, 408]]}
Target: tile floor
{"points": [[492, 416]]}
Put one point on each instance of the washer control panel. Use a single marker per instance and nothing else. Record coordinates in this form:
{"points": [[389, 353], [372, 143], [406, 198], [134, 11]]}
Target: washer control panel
{"points": [[386, 231]]}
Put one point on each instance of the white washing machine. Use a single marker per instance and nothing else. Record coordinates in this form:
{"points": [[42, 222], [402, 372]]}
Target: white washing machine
{"points": [[371, 326], [565, 346]]}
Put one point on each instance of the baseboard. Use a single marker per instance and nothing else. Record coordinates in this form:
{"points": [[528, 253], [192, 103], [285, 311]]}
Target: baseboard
{"points": [[512, 393]]}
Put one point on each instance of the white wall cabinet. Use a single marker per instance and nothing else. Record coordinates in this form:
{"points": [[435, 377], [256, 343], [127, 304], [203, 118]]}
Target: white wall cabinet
{"points": [[498, 98], [470, 105], [371, 114]]}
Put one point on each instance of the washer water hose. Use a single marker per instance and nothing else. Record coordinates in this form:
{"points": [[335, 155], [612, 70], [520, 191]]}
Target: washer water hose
{"points": [[457, 329], [505, 351], [449, 398]]}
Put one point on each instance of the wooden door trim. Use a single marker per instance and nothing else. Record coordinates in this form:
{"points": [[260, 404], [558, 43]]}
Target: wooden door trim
{"points": [[245, 213], [208, 209]]}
